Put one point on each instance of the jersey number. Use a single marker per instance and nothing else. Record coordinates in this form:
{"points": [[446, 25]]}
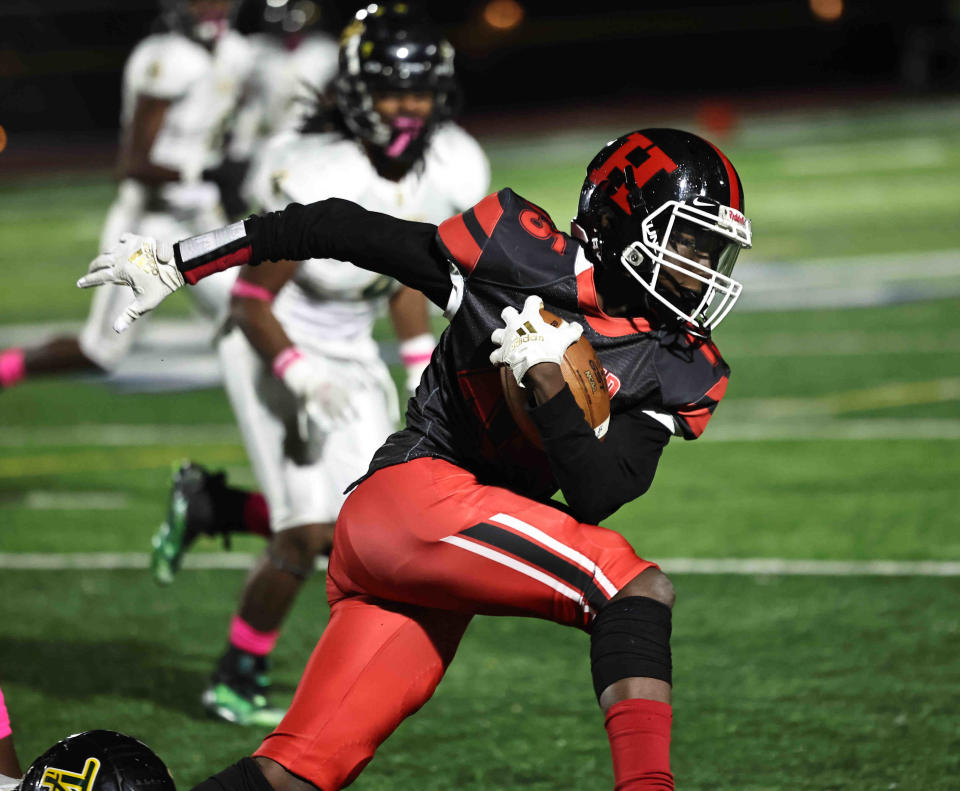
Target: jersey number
{"points": [[539, 226]]}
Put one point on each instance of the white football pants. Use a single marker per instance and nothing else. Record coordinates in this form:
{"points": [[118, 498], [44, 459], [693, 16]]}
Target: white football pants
{"points": [[304, 485]]}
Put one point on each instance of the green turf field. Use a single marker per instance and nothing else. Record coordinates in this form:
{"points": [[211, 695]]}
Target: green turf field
{"points": [[839, 440]]}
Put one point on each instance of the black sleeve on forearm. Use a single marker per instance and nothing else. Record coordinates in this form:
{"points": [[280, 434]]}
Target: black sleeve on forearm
{"points": [[596, 477], [336, 228]]}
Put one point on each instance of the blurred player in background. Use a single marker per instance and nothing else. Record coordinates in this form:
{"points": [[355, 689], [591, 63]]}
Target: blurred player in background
{"points": [[454, 517], [296, 60], [302, 370], [9, 765], [180, 88]]}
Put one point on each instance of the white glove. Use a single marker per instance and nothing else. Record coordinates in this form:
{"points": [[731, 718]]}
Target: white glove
{"points": [[141, 263], [322, 399], [528, 340]]}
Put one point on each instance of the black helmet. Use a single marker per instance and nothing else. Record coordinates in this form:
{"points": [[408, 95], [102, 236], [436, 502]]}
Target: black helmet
{"points": [[390, 48], [179, 15], [98, 761], [668, 207]]}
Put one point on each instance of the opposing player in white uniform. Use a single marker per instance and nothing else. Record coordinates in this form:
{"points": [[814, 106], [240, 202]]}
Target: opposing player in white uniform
{"points": [[180, 89], [312, 396], [296, 60]]}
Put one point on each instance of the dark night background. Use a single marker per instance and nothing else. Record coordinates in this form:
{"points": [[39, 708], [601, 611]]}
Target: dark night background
{"points": [[61, 60]]}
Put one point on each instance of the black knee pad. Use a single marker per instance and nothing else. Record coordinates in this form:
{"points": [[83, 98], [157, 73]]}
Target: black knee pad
{"points": [[244, 775], [631, 637]]}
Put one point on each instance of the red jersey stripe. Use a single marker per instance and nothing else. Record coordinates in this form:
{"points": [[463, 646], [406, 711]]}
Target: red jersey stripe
{"points": [[459, 243], [611, 326], [236, 258], [488, 213], [697, 419], [709, 351], [718, 390]]}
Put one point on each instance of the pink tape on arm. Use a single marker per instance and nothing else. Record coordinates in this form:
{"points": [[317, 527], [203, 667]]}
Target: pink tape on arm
{"points": [[285, 359], [5, 729], [416, 359], [417, 350], [12, 367], [247, 290], [253, 641]]}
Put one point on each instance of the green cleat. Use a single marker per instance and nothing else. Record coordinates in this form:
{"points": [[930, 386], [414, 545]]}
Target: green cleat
{"points": [[237, 691], [189, 513], [240, 706]]}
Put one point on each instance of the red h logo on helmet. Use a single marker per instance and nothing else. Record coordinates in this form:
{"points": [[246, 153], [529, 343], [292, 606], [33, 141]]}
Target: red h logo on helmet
{"points": [[643, 156]]}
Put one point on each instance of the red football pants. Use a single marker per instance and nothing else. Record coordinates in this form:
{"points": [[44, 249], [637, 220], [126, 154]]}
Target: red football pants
{"points": [[420, 548]]}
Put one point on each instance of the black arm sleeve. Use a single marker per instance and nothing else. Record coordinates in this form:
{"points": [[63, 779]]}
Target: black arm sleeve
{"points": [[596, 477], [336, 228]]}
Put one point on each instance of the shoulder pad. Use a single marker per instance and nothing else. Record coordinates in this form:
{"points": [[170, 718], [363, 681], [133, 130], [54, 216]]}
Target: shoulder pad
{"points": [[315, 60], [295, 168], [236, 51], [460, 165], [165, 66], [693, 386], [512, 240]]}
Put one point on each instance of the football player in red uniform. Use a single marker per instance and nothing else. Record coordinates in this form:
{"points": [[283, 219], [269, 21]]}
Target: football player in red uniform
{"points": [[454, 517]]}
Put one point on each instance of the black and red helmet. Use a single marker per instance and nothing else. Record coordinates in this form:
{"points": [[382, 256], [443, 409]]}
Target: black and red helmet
{"points": [[98, 761], [668, 207], [392, 47]]}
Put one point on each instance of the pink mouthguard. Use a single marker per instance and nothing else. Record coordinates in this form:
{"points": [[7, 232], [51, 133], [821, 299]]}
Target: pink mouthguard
{"points": [[406, 129]]}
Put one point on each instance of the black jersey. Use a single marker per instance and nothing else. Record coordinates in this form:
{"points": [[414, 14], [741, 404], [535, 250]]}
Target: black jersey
{"points": [[503, 250], [496, 254]]}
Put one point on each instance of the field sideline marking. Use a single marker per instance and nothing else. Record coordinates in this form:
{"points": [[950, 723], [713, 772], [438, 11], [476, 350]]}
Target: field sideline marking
{"points": [[762, 409], [113, 561]]}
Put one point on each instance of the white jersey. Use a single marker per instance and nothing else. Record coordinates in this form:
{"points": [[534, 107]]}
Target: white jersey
{"points": [[282, 88], [332, 304], [203, 87]]}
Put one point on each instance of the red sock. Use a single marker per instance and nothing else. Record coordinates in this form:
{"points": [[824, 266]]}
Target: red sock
{"points": [[256, 515], [639, 733]]}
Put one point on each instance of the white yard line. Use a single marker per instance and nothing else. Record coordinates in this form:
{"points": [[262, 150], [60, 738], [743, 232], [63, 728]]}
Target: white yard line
{"points": [[740, 420], [110, 561], [743, 412], [840, 343], [858, 156], [119, 435], [729, 429], [38, 500]]}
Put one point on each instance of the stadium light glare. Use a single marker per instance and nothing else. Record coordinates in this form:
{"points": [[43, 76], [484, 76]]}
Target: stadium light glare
{"points": [[503, 14], [827, 10]]}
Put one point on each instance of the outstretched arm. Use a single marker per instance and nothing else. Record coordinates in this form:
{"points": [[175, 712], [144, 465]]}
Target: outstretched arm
{"points": [[332, 228]]}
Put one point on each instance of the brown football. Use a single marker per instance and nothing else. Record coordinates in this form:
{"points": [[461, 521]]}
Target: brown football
{"points": [[584, 376]]}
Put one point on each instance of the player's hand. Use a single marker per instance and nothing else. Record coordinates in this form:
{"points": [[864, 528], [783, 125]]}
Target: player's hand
{"points": [[527, 339], [322, 399], [141, 263]]}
